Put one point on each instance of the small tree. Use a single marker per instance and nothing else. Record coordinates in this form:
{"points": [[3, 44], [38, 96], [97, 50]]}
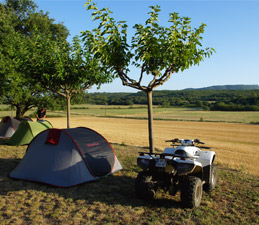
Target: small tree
{"points": [[67, 69], [156, 50]]}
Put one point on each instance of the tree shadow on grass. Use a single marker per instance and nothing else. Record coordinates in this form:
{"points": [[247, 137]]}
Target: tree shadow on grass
{"points": [[111, 190]]}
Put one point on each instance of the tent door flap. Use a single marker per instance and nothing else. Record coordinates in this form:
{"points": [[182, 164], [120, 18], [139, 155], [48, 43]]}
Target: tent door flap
{"points": [[53, 136]]}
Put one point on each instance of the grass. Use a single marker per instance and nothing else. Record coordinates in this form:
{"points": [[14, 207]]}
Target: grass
{"points": [[111, 200], [140, 112], [161, 113]]}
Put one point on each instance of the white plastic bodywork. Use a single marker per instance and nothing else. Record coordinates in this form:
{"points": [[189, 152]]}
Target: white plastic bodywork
{"points": [[194, 155]]}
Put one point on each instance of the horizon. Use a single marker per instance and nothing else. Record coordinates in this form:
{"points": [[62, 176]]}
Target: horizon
{"points": [[185, 89]]}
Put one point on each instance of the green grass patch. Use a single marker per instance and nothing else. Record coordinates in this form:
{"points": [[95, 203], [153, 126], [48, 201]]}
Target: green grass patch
{"points": [[140, 112], [112, 200], [161, 113]]}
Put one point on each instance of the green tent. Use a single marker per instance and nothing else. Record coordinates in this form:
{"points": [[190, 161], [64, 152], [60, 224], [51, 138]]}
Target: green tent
{"points": [[27, 130]]}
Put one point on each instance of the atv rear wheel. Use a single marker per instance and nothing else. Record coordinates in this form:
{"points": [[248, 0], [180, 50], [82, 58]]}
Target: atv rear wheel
{"points": [[145, 187], [213, 180], [191, 192]]}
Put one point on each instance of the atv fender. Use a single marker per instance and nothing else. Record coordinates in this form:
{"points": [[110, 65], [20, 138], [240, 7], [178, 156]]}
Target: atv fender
{"points": [[169, 151], [206, 158]]}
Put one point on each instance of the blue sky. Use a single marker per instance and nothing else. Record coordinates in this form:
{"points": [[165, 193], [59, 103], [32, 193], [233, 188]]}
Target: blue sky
{"points": [[232, 30]]}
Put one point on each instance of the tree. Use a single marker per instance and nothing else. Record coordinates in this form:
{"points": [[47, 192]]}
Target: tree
{"points": [[156, 50], [20, 22], [67, 69]]}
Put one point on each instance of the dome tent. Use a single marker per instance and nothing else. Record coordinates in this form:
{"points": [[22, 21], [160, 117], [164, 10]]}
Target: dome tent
{"points": [[27, 130], [8, 126], [67, 157]]}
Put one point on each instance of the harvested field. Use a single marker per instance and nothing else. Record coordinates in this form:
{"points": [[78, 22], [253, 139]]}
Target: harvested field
{"points": [[236, 145]]}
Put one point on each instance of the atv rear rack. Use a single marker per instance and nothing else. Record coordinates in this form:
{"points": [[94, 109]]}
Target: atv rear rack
{"points": [[176, 145], [162, 155]]}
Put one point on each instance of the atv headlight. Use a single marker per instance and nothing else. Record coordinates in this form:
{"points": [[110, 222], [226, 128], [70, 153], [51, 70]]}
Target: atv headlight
{"points": [[145, 163], [184, 168]]}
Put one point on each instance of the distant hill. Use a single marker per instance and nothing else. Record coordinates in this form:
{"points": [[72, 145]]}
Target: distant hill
{"points": [[216, 98], [228, 87]]}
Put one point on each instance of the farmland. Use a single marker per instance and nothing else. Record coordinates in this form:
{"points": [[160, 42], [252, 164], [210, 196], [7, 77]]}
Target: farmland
{"points": [[235, 200], [230, 134], [140, 112], [161, 113]]}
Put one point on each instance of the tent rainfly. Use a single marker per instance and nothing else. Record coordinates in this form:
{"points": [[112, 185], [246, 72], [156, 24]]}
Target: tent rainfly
{"points": [[67, 157], [8, 126], [27, 130]]}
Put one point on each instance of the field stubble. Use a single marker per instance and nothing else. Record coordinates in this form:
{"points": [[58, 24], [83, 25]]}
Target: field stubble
{"points": [[236, 145]]}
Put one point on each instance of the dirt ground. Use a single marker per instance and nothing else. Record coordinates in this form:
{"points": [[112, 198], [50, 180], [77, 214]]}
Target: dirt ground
{"points": [[235, 144]]}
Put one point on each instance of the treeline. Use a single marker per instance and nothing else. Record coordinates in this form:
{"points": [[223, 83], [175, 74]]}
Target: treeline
{"points": [[221, 100]]}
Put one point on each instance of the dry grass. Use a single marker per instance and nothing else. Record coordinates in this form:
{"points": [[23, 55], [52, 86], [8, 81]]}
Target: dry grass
{"points": [[195, 114], [236, 145], [112, 199]]}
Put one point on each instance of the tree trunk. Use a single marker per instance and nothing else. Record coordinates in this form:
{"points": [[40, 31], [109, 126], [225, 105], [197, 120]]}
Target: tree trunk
{"points": [[150, 121], [18, 111], [24, 110], [68, 111]]}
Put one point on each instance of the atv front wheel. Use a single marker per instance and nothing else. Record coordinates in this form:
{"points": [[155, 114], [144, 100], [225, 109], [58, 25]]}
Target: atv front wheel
{"points": [[145, 185], [213, 180], [191, 192]]}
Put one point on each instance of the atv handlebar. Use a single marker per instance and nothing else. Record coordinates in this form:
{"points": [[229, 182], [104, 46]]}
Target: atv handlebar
{"points": [[198, 141], [204, 147], [177, 140]]}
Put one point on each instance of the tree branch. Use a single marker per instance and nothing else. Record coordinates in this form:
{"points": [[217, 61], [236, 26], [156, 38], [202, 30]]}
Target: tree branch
{"points": [[158, 82], [152, 82], [126, 81], [60, 93], [142, 72]]}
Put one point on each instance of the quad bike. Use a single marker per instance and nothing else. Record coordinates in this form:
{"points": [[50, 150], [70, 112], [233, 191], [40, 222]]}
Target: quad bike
{"points": [[183, 167]]}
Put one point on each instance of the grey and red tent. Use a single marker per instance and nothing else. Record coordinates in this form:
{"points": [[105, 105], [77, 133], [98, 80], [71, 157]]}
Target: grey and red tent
{"points": [[8, 126], [67, 157]]}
